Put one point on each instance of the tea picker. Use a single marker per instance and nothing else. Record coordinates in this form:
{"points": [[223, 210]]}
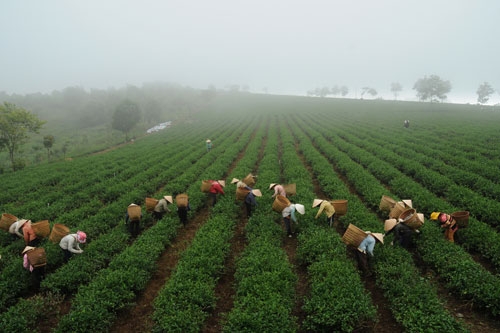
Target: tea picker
{"points": [[133, 219], [35, 260], [162, 207], [278, 189], [448, 223], [366, 248], [289, 213], [215, 188], [71, 244], [325, 205], [402, 232]]}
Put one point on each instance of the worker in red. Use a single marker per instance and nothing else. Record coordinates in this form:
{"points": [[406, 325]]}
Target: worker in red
{"points": [[448, 222], [216, 188]]}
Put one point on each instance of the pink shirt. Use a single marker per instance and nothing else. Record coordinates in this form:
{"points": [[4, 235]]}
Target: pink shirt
{"points": [[279, 189]]}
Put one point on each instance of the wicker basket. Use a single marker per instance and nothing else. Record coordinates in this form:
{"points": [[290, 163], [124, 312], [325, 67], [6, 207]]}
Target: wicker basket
{"points": [[290, 189], [386, 203], [181, 200], [280, 203], [396, 210], [410, 218], [249, 180], [205, 186], [37, 257], [41, 228], [340, 207], [462, 218], [241, 193], [151, 204], [353, 235], [6, 221], [134, 213], [58, 232]]}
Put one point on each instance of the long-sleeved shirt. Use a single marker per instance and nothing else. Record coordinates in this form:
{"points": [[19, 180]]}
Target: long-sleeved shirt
{"points": [[327, 207], [289, 211], [279, 189], [28, 232], [70, 243], [216, 188], [14, 229], [368, 244], [161, 206]]}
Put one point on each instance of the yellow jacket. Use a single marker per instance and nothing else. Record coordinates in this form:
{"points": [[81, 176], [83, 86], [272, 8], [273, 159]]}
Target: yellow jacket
{"points": [[327, 207]]}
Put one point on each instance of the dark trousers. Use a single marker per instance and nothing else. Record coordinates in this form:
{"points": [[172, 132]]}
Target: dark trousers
{"points": [[34, 242], [213, 198], [363, 262], [183, 214], [249, 209], [67, 255], [37, 276], [134, 227], [287, 225], [157, 215]]}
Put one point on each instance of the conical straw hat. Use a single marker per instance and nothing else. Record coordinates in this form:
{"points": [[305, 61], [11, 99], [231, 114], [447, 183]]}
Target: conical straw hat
{"points": [[235, 180], [378, 236], [300, 208], [389, 224], [317, 202], [27, 248], [408, 203], [20, 223], [257, 192], [168, 198], [222, 183], [272, 185]]}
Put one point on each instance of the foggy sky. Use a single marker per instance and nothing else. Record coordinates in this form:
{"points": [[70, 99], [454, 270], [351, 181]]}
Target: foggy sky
{"points": [[286, 47]]}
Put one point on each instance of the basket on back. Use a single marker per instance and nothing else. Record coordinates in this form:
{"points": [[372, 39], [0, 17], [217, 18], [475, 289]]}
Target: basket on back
{"points": [[290, 189], [37, 257], [340, 207], [181, 200], [249, 180], [386, 203], [241, 193], [397, 210], [411, 219], [6, 221], [151, 204], [41, 228], [280, 203], [205, 186], [134, 213], [58, 232], [353, 235], [462, 218]]}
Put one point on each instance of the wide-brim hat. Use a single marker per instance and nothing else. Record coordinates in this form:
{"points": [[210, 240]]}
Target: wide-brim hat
{"points": [[168, 198], [222, 183], [272, 185], [27, 248], [317, 202], [389, 224], [21, 222], [235, 180], [378, 236], [300, 208], [257, 192]]}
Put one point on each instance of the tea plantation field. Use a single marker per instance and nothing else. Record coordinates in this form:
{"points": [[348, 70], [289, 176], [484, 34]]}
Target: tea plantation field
{"points": [[224, 272]]}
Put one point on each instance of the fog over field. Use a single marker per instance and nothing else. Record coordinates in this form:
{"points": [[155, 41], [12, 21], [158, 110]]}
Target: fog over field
{"points": [[278, 47]]}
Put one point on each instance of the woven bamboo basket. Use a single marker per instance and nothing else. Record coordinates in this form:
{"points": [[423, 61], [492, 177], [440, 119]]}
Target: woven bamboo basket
{"points": [[181, 200], [386, 203], [134, 213], [151, 204], [396, 210], [340, 207], [290, 189], [410, 218], [205, 186], [280, 203], [58, 232], [462, 218], [41, 228], [353, 235], [241, 193], [249, 180], [37, 257], [6, 221]]}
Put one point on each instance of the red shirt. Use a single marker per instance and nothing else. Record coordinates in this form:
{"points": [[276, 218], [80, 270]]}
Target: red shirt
{"points": [[216, 188], [29, 233]]}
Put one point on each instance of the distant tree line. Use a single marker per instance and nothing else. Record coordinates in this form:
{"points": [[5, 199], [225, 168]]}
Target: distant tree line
{"points": [[429, 88]]}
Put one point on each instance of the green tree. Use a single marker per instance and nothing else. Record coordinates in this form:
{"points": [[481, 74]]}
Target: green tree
{"points": [[432, 88], [127, 114], [15, 124], [483, 92], [48, 142], [368, 90], [396, 88]]}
